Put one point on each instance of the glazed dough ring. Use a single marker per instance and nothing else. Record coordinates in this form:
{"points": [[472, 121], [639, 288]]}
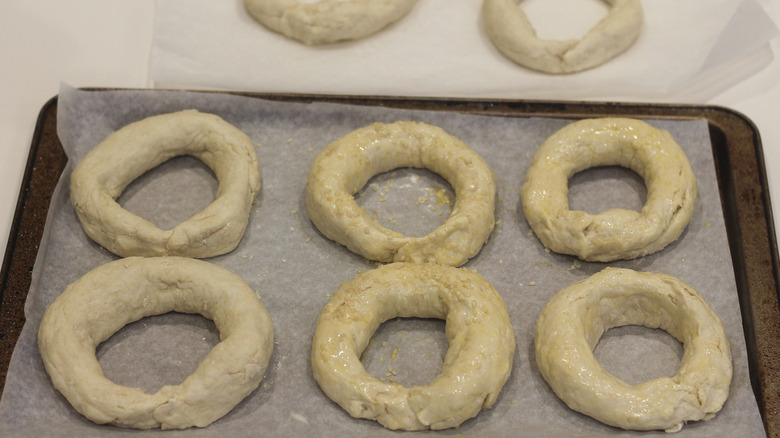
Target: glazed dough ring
{"points": [[571, 324], [102, 175], [617, 233], [345, 166], [327, 21], [113, 295], [514, 36], [478, 330]]}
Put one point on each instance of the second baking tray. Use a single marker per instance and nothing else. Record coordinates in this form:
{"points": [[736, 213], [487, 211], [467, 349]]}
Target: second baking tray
{"points": [[741, 180]]}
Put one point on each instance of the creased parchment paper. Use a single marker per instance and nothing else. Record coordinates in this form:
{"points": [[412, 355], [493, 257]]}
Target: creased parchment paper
{"points": [[688, 51], [295, 270]]}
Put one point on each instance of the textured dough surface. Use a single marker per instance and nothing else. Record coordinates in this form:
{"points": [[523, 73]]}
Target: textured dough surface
{"points": [[476, 366], [617, 233], [571, 324], [113, 295], [513, 34], [102, 175], [327, 21], [345, 165]]}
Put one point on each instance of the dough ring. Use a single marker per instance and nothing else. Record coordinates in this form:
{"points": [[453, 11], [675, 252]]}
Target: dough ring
{"points": [[327, 21], [115, 294], [617, 233], [345, 166], [573, 321], [102, 175], [514, 36], [478, 330]]}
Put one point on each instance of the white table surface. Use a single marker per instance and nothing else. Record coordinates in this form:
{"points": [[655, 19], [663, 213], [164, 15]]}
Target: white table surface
{"points": [[95, 43]]}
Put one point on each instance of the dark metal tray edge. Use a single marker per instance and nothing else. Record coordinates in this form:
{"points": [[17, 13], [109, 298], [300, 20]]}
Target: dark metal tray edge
{"points": [[739, 164]]}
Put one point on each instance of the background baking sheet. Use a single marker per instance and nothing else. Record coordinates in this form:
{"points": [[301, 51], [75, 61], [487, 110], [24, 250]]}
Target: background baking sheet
{"points": [[687, 52], [294, 269]]}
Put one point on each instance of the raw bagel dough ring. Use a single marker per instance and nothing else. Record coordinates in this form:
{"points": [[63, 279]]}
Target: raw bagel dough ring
{"points": [[345, 166], [327, 21], [571, 324], [617, 233], [478, 330], [113, 295], [514, 36], [102, 175]]}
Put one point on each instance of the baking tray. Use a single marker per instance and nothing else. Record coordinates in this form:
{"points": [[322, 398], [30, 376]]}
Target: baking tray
{"points": [[740, 170]]}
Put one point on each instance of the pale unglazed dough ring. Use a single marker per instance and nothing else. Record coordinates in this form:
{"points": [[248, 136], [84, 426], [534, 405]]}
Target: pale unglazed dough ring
{"points": [[513, 34], [476, 366], [571, 324], [102, 175], [115, 294], [345, 166], [617, 233], [327, 21]]}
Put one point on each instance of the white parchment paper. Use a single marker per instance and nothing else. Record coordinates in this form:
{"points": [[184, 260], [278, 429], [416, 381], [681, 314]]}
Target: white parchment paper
{"points": [[295, 270], [688, 51]]}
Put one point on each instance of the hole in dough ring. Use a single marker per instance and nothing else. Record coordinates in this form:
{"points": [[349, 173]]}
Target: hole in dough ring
{"points": [[347, 164], [104, 172], [113, 295], [617, 233], [327, 21], [512, 33], [477, 327], [571, 324]]}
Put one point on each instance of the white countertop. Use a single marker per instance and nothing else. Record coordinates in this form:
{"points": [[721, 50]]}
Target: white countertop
{"points": [[107, 44]]}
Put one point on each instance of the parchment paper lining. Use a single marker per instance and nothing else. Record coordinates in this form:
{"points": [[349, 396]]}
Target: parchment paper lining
{"points": [[295, 270]]}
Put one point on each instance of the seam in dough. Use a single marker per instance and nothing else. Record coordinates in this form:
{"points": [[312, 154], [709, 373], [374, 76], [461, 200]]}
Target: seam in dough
{"points": [[104, 172], [617, 233], [512, 33]]}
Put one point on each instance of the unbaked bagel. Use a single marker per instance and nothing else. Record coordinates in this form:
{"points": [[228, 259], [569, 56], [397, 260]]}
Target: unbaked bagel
{"points": [[573, 321], [514, 36], [104, 172], [476, 366], [115, 294], [327, 21], [345, 166], [617, 233]]}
